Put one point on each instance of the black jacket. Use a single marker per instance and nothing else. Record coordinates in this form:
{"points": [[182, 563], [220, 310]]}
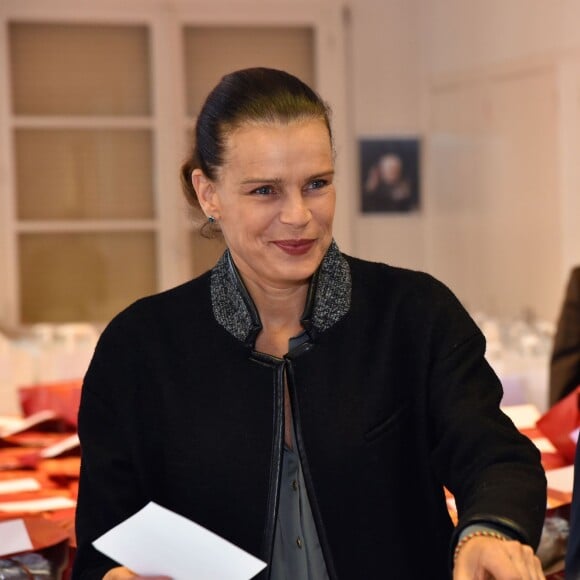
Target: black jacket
{"points": [[391, 396]]}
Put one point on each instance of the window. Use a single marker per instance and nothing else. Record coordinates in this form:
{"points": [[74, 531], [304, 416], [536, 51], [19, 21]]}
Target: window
{"points": [[95, 121]]}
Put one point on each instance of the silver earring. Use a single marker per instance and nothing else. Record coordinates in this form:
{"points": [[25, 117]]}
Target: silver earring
{"points": [[211, 219]]}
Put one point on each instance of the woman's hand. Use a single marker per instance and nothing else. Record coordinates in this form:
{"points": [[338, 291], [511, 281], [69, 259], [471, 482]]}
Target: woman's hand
{"points": [[493, 559], [122, 573]]}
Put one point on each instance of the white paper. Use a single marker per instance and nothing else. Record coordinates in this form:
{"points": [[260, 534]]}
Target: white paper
{"points": [[544, 445], [13, 426], [157, 541], [14, 537], [18, 485], [523, 416], [37, 505], [57, 448], [561, 479]]}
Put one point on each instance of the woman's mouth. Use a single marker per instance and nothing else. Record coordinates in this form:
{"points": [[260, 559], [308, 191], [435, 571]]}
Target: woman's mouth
{"points": [[295, 247]]}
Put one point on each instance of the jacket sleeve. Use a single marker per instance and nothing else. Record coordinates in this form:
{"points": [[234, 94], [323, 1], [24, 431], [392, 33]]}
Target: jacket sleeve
{"points": [[109, 488], [493, 470]]}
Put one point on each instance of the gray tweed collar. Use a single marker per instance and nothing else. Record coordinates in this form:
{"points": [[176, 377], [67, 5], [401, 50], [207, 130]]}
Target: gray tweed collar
{"points": [[327, 302]]}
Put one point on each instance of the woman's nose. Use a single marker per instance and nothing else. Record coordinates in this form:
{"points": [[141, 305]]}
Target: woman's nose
{"points": [[294, 210]]}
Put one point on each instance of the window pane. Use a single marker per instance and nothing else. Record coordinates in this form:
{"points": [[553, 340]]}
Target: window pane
{"points": [[211, 52], [84, 174], [88, 277], [79, 69]]}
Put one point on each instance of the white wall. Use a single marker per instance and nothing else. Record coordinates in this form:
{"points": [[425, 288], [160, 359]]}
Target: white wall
{"points": [[386, 81], [492, 87]]}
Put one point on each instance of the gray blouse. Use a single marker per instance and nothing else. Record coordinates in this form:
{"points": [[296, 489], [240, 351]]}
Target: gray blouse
{"points": [[297, 551]]}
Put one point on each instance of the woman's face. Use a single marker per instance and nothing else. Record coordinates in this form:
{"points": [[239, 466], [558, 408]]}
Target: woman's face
{"points": [[274, 199]]}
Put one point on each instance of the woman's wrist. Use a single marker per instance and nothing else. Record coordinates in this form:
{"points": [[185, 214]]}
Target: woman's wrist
{"points": [[484, 533]]}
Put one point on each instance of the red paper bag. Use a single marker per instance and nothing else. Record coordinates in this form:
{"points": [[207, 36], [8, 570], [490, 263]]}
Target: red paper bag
{"points": [[61, 397], [560, 425]]}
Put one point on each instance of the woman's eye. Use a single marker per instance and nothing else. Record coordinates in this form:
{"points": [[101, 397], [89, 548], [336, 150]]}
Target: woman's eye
{"points": [[264, 190], [317, 184]]}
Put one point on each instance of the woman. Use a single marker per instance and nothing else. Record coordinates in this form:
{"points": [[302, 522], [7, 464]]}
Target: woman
{"points": [[305, 405]]}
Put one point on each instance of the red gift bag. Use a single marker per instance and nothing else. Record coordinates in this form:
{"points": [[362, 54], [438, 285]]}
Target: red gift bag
{"points": [[62, 397], [560, 425]]}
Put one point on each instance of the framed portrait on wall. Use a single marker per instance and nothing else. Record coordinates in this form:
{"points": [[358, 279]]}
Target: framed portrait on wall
{"points": [[389, 174]]}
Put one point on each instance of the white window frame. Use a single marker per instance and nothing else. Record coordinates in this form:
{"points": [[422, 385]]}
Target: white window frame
{"points": [[166, 21]]}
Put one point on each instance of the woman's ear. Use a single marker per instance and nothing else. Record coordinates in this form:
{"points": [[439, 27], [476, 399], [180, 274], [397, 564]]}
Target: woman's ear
{"points": [[206, 195]]}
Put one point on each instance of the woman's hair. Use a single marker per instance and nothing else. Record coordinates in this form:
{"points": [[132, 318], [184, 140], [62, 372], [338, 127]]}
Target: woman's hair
{"points": [[245, 97]]}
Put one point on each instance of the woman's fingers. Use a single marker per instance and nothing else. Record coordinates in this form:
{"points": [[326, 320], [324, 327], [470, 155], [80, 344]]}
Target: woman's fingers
{"points": [[122, 573], [494, 559]]}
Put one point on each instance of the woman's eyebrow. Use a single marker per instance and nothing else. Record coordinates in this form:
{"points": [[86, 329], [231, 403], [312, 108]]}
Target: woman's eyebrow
{"points": [[328, 173], [253, 180], [278, 181]]}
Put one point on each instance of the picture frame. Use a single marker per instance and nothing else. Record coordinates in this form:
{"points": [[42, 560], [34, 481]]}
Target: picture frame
{"points": [[390, 175]]}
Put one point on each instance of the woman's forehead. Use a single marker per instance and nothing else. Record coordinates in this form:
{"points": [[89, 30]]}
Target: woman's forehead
{"points": [[267, 127], [255, 139], [275, 150]]}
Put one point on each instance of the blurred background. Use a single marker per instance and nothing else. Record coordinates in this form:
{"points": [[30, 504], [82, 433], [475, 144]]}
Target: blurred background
{"points": [[97, 102]]}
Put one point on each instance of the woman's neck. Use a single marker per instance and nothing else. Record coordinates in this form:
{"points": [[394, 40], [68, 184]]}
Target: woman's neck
{"points": [[278, 307], [280, 310]]}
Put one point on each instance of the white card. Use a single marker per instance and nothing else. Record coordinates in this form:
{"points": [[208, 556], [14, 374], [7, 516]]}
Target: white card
{"points": [[37, 505], [19, 485], [14, 537], [14, 426], [57, 448], [523, 416], [561, 479], [157, 541]]}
